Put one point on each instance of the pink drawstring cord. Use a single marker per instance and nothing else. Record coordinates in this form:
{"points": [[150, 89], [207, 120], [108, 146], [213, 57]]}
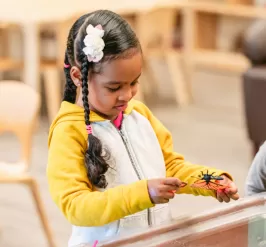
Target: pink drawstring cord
{"points": [[95, 243]]}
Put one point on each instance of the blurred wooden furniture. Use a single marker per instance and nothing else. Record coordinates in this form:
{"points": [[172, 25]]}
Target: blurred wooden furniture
{"points": [[7, 62], [45, 68], [19, 106], [200, 21], [32, 22], [203, 17], [157, 39], [199, 34], [240, 1]]}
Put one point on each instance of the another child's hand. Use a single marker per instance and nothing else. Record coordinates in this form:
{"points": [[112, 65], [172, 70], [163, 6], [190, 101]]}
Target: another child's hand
{"points": [[162, 190], [225, 195]]}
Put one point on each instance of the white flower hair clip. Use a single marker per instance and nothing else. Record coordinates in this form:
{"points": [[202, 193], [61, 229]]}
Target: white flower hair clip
{"points": [[94, 43]]}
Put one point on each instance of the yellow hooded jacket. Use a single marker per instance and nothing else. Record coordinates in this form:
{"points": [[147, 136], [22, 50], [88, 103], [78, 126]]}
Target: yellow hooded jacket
{"points": [[84, 205]]}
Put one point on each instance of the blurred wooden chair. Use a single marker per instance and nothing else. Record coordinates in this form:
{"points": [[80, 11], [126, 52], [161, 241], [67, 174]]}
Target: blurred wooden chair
{"points": [[48, 69], [156, 29], [7, 62], [19, 106]]}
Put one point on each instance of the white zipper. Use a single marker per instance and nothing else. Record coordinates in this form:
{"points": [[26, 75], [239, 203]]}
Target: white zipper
{"points": [[134, 165]]}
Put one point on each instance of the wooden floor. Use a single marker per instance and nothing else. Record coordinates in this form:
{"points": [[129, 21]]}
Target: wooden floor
{"points": [[210, 132]]}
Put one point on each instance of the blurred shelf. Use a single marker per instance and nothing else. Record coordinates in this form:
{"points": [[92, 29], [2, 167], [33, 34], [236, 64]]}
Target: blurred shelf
{"points": [[7, 64], [172, 4], [248, 2], [220, 8], [204, 23], [46, 64], [229, 61], [154, 52], [232, 9], [4, 25]]}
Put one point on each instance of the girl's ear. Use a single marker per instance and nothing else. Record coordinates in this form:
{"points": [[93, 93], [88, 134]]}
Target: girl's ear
{"points": [[75, 76]]}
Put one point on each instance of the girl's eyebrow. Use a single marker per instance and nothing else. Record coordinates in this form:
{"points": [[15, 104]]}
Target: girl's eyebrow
{"points": [[119, 82]]}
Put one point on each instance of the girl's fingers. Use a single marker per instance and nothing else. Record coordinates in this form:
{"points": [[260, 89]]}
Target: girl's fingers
{"points": [[223, 196], [170, 195], [235, 197], [172, 181], [219, 198], [169, 188]]}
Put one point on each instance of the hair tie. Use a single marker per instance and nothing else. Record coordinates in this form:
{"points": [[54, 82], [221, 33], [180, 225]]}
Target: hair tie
{"points": [[89, 129], [66, 66]]}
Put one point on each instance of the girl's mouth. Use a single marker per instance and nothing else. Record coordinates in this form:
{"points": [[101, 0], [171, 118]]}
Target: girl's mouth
{"points": [[121, 107]]}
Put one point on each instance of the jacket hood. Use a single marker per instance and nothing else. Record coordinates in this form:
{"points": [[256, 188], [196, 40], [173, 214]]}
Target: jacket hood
{"points": [[73, 112]]}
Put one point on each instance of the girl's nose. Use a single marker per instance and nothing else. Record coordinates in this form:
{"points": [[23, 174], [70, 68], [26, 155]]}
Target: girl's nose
{"points": [[126, 95]]}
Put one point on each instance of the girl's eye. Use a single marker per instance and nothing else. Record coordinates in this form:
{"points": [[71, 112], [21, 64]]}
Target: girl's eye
{"points": [[134, 83], [117, 88], [113, 89]]}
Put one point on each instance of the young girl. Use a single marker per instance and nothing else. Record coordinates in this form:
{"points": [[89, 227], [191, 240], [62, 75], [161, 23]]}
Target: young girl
{"points": [[111, 162]]}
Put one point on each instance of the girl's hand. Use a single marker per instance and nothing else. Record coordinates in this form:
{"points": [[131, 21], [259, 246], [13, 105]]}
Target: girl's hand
{"points": [[225, 195], [162, 190]]}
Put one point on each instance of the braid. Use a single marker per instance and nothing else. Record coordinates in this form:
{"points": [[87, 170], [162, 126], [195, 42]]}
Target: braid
{"points": [[95, 161], [70, 88], [85, 90]]}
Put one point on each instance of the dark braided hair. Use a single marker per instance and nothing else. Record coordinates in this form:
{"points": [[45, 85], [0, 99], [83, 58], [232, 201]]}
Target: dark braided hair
{"points": [[120, 42]]}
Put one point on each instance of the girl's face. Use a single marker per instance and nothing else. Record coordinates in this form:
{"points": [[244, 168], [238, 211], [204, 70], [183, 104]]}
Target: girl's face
{"points": [[116, 84]]}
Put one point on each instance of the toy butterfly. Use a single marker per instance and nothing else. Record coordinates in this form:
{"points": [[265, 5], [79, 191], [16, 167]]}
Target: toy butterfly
{"points": [[205, 182]]}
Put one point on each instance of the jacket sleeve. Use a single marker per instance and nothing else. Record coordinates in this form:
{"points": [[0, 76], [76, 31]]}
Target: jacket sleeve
{"points": [[73, 193], [176, 165], [256, 178]]}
